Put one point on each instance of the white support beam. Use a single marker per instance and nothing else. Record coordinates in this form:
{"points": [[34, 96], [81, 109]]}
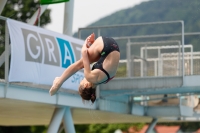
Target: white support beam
{"points": [[156, 111], [27, 93], [143, 83], [56, 120], [68, 121], [113, 106], [162, 111], [7, 53], [138, 110], [66, 100], [68, 18], [152, 125], [150, 86], [2, 5], [152, 111]]}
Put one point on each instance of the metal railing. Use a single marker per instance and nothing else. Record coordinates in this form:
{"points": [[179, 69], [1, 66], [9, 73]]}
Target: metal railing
{"points": [[130, 56], [169, 65]]}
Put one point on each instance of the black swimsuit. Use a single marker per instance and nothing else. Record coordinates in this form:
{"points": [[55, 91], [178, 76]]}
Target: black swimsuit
{"points": [[110, 45]]}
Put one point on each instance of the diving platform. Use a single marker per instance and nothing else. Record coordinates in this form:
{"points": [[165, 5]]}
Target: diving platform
{"points": [[31, 104], [159, 80]]}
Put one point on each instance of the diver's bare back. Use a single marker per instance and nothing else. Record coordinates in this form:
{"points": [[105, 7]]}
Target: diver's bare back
{"points": [[110, 64]]}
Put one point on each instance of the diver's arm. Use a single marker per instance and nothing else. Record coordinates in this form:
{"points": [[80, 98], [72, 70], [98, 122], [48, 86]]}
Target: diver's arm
{"points": [[91, 76], [72, 69], [57, 83]]}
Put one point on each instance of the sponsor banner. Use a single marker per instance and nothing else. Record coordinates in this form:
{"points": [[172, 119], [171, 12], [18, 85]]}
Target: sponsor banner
{"points": [[39, 55]]}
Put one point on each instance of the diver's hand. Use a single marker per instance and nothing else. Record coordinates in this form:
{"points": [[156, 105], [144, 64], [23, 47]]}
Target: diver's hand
{"points": [[90, 40], [56, 85]]}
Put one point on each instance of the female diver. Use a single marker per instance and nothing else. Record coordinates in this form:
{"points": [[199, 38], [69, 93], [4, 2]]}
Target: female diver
{"points": [[105, 52]]}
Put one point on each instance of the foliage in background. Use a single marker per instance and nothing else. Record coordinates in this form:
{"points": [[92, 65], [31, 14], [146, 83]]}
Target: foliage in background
{"points": [[23, 129], [106, 128]]}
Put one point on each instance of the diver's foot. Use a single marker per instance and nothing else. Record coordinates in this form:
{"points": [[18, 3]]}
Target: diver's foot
{"points": [[56, 85]]}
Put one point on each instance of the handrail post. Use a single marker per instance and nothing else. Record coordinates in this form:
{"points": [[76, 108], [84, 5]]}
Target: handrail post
{"points": [[183, 62], [6, 58], [128, 48]]}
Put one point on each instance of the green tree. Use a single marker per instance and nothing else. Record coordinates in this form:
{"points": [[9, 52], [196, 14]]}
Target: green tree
{"points": [[8, 129], [82, 128], [23, 129], [106, 128]]}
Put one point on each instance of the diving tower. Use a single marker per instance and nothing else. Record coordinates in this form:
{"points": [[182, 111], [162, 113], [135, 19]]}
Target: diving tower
{"points": [[145, 93]]}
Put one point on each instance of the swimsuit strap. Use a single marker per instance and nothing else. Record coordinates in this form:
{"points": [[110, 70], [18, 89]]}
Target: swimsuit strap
{"points": [[109, 79], [101, 68], [105, 73]]}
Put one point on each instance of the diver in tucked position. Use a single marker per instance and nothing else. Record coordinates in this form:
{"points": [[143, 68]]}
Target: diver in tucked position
{"points": [[105, 52]]}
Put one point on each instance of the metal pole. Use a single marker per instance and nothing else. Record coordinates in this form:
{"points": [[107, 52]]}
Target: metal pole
{"points": [[161, 66], [132, 66], [155, 68], [159, 62], [68, 121], [191, 61], [179, 60], [6, 53], [6, 58], [145, 62], [128, 58], [79, 33], [68, 18], [56, 120], [152, 125], [141, 64], [183, 43], [99, 32], [98, 92]]}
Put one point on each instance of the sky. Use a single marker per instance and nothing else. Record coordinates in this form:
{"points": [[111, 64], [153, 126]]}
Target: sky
{"points": [[87, 12]]}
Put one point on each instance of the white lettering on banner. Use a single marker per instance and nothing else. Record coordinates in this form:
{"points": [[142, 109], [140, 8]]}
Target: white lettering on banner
{"points": [[35, 56], [67, 55], [50, 49], [47, 49]]}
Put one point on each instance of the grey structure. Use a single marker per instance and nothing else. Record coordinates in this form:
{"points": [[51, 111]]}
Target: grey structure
{"points": [[124, 99]]}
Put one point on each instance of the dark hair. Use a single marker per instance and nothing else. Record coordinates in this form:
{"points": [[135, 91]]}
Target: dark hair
{"points": [[88, 93]]}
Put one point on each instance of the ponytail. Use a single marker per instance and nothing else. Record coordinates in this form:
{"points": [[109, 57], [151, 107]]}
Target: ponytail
{"points": [[88, 94]]}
